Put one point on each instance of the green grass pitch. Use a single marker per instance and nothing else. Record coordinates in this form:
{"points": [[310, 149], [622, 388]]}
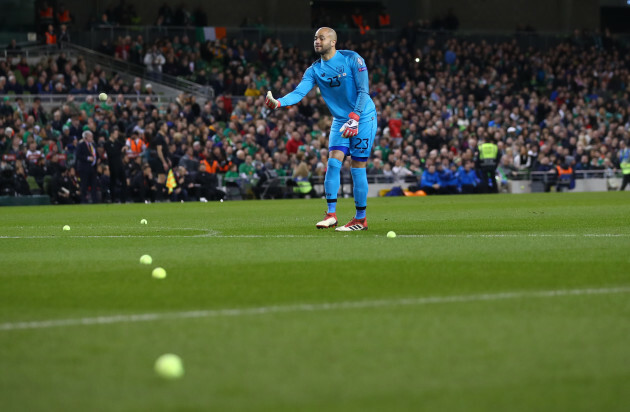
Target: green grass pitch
{"points": [[482, 303]]}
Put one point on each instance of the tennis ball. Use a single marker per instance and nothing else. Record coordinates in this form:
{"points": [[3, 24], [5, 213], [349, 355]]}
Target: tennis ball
{"points": [[169, 366], [146, 260], [66, 227], [158, 273], [391, 234], [102, 97], [143, 222]]}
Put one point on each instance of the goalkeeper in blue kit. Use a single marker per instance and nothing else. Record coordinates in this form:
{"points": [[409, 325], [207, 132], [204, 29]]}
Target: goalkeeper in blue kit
{"points": [[343, 82]]}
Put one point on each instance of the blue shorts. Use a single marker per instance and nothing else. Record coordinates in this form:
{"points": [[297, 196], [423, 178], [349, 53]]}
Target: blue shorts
{"points": [[360, 146]]}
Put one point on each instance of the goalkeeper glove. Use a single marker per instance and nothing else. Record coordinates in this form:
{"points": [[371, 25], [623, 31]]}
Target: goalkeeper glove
{"points": [[351, 127], [270, 102]]}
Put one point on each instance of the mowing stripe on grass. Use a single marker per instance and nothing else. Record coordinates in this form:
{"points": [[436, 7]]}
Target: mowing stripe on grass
{"points": [[315, 307], [211, 235], [525, 235]]}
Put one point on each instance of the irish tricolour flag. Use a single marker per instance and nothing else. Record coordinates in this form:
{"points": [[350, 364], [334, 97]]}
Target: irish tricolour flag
{"points": [[210, 33]]}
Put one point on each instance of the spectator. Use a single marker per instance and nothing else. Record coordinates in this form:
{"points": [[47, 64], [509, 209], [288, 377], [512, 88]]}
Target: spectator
{"points": [[7, 181], [13, 86], [64, 17], [13, 46], [448, 178], [505, 172], [246, 169], [294, 143], [189, 161], [64, 188], [64, 35], [50, 37], [115, 147], [207, 185], [154, 60], [400, 171], [158, 160], [21, 185], [523, 161], [86, 167], [430, 181], [46, 14], [143, 187], [106, 48], [467, 178]]}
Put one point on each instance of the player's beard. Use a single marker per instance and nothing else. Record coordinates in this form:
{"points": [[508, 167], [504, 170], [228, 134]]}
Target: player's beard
{"points": [[322, 50]]}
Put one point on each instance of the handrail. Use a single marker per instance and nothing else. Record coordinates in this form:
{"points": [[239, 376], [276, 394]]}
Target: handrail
{"points": [[381, 178], [80, 98], [109, 62], [579, 174], [30, 50]]}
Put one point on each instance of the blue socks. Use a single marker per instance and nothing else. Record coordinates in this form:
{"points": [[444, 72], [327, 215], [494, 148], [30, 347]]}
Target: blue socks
{"points": [[360, 189], [331, 183]]}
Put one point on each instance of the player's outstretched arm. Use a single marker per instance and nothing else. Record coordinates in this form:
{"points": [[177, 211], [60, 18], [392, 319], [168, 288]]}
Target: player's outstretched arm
{"points": [[270, 102], [305, 86]]}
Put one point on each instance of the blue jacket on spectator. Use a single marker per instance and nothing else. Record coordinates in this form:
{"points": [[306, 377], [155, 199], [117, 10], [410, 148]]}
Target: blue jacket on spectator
{"points": [[448, 178], [467, 177], [429, 179]]}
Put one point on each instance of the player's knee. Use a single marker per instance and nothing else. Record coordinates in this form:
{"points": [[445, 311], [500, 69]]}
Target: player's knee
{"points": [[337, 154], [357, 164]]}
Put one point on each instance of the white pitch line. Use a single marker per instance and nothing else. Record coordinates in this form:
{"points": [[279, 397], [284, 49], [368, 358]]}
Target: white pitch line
{"points": [[315, 307]]}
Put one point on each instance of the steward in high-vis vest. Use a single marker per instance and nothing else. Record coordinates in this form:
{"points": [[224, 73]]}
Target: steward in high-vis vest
{"points": [[302, 187], [135, 146], [487, 163], [624, 157], [63, 15], [50, 37], [564, 176]]}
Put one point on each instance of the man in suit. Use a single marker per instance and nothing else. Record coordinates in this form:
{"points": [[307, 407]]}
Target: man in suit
{"points": [[86, 166]]}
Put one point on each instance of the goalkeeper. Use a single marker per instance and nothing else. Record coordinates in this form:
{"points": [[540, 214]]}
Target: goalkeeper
{"points": [[342, 78]]}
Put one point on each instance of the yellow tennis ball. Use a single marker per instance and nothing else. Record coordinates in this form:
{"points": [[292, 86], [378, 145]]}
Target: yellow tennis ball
{"points": [[391, 234], [169, 366], [66, 227], [146, 259], [158, 273], [143, 222], [102, 97]]}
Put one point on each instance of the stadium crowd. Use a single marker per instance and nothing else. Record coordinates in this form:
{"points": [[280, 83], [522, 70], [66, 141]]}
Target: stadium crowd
{"points": [[565, 106]]}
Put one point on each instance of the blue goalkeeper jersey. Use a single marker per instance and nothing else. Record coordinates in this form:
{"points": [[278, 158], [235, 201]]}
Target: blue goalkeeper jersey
{"points": [[343, 82]]}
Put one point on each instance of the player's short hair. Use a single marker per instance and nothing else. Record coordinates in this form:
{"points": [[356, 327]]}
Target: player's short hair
{"points": [[331, 31]]}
